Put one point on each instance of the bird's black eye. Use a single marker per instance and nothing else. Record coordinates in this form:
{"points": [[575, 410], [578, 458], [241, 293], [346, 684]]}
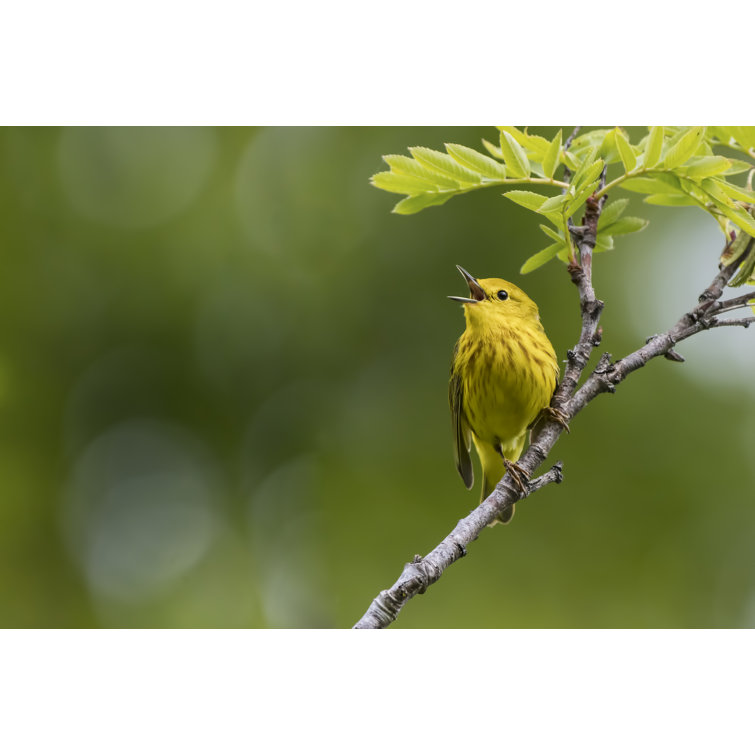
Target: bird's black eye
{"points": [[503, 295]]}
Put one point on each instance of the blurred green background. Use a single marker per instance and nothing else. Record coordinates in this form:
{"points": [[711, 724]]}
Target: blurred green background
{"points": [[223, 396]]}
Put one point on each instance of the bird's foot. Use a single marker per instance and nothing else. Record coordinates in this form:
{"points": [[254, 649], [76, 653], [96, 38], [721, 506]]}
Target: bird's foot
{"points": [[557, 416], [518, 475]]}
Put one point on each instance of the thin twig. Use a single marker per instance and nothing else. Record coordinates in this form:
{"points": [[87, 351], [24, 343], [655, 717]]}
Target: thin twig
{"points": [[736, 303], [571, 137], [744, 322]]}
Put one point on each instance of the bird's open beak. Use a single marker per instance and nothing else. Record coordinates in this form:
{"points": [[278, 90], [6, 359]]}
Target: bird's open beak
{"points": [[474, 288]]}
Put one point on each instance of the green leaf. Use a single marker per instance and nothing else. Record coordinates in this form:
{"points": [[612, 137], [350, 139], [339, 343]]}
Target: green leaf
{"points": [[625, 151], [543, 256], [493, 149], [581, 197], [742, 135], [716, 190], [552, 233], [670, 200], [729, 190], [698, 167], [550, 160], [644, 185], [658, 184], [471, 158], [744, 275], [410, 205], [653, 147], [686, 146], [536, 169], [404, 165], [535, 143], [738, 248], [590, 143], [570, 160], [604, 243], [589, 174], [735, 249], [611, 212], [608, 149], [553, 204], [589, 139], [443, 163], [691, 187], [745, 135], [528, 199], [532, 142], [517, 164], [737, 166], [555, 218], [399, 183], [625, 225], [737, 215], [587, 165], [721, 133]]}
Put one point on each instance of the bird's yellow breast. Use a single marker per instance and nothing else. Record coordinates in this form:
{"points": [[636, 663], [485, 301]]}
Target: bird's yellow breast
{"points": [[508, 376]]}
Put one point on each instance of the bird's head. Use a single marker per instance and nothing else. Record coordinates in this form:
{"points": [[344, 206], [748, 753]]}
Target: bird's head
{"points": [[494, 300]]}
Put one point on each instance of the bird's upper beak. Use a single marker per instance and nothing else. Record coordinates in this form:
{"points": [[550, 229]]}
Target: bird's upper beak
{"points": [[475, 289]]}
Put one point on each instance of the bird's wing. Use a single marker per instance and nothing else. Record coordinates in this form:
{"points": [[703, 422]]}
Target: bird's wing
{"points": [[462, 433]]}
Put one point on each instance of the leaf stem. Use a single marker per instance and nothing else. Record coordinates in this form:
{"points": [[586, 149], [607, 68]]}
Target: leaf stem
{"points": [[616, 181], [539, 181]]}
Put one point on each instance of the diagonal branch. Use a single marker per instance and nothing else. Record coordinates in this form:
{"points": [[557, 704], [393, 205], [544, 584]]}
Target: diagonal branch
{"points": [[607, 375], [418, 575]]}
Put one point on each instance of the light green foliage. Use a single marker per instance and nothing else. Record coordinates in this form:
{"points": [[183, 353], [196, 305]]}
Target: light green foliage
{"points": [[431, 177], [514, 156], [625, 151], [483, 164], [550, 158], [653, 146], [737, 250], [671, 166]]}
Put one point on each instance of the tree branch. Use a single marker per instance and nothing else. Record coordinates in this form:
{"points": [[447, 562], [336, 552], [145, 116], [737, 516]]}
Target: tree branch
{"points": [[745, 322], [571, 137], [607, 375], [418, 575], [736, 303], [567, 401]]}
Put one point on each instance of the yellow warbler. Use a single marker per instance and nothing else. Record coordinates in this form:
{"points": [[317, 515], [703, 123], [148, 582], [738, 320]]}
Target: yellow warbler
{"points": [[503, 374]]}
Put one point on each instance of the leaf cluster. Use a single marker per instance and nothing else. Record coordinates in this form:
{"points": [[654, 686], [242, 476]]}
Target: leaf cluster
{"points": [[671, 166]]}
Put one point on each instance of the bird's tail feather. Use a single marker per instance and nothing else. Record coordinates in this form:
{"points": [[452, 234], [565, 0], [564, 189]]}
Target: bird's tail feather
{"points": [[493, 470]]}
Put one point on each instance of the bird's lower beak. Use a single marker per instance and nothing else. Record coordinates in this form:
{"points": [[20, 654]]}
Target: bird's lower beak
{"points": [[475, 289]]}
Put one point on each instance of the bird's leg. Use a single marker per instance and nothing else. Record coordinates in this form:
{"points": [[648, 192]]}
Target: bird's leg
{"points": [[518, 475], [557, 416]]}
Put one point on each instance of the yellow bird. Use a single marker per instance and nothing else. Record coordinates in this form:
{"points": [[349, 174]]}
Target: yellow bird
{"points": [[503, 375]]}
